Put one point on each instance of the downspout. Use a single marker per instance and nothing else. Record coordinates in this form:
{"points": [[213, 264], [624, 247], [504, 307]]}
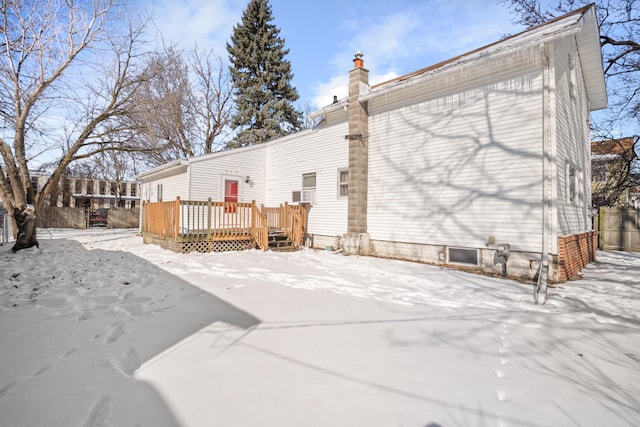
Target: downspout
{"points": [[549, 134]]}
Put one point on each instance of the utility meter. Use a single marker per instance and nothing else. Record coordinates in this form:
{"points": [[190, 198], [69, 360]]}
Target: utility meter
{"points": [[504, 250]]}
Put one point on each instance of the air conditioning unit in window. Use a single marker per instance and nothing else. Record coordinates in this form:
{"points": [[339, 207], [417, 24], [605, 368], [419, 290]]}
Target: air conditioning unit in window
{"points": [[304, 196]]}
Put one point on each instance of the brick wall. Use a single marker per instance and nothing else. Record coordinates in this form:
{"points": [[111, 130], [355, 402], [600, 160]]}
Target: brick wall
{"points": [[575, 252]]}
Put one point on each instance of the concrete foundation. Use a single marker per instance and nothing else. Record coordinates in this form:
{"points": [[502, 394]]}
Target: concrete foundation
{"points": [[357, 244]]}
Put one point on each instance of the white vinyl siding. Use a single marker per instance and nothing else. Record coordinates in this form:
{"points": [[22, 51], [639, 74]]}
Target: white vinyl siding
{"points": [[573, 144], [461, 166], [322, 152], [172, 187], [206, 173]]}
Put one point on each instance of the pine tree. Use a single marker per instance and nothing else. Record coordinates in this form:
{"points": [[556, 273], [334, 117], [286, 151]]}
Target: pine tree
{"points": [[261, 78]]}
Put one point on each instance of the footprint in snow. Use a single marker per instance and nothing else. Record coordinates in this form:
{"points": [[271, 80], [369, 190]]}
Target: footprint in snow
{"points": [[128, 362], [6, 388], [99, 412], [86, 316], [501, 373], [117, 330]]}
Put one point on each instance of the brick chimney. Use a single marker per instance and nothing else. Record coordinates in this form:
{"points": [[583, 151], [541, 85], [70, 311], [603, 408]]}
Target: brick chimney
{"points": [[356, 241]]}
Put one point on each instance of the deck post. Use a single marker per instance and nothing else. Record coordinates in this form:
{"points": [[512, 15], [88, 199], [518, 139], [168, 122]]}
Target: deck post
{"points": [[209, 219], [253, 217], [176, 218], [285, 216]]}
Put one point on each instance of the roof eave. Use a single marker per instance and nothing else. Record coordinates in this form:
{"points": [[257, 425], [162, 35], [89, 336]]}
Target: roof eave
{"points": [[588, 41], [329, 109], [170, 168]]}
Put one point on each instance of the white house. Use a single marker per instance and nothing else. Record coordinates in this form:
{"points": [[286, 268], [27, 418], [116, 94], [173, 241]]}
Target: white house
{"points": [[481, 161]]}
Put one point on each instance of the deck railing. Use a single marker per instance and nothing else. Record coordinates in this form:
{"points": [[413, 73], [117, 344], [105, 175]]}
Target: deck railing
{"points": [[294, 218], [260, 229], [188, 220]]}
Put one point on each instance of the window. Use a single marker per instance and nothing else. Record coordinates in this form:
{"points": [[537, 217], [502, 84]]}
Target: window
{"points": [[103, 187], [90, 187], [308, 193], [343, 182], [77, 187], [113, 188], [308, 181], [571, 185], [133, 189], [599, 171], [572, 77], [230, 194], [463, 256]]}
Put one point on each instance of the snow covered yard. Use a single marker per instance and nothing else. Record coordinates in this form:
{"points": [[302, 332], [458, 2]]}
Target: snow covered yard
{"points": [[98, 329]]}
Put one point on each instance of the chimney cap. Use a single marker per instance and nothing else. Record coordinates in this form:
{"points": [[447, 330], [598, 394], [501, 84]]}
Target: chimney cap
{"points": [[357, 60]]}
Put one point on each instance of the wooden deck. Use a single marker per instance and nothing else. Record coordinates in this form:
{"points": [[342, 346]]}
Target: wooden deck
{"points": [[207, 226]]}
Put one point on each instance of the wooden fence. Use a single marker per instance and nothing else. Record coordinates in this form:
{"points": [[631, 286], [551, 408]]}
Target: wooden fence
{"points": [[619, 229], [193, 221]]}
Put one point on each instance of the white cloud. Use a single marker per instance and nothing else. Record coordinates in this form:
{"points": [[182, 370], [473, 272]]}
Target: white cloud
{"points": [[324, 92], [205, 22], [412, 38]]}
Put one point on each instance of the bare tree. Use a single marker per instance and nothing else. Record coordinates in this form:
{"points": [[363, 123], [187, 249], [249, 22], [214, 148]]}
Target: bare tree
{"points": [[619, 22], [68, 76], [163, 110], [307, 121], [186, 109], [614, 171], [212, 101]]}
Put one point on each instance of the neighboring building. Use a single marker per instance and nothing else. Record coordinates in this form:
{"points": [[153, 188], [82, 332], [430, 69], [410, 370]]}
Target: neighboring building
{"points": [[614, 173], [481, 161], [89, 193]]}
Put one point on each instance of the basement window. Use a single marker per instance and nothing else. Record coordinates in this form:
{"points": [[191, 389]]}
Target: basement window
{"points": [[462, 256]]}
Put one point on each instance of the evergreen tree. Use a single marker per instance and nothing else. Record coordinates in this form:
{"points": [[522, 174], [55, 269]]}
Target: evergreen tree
{"points": [[261, 78]]}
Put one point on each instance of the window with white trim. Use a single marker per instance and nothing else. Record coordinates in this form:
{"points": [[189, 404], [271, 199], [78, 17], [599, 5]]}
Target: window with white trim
{"points": [[308, 193], [308, 181], [343, 182], [571, 184], [572, 77]]}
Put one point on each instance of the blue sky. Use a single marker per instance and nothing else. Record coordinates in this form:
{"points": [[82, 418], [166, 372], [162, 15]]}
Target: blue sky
{"points": [[396, 37]]}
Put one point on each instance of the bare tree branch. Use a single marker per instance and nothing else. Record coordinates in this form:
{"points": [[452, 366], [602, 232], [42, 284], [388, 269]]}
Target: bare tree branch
{"points": [[56, 83]]}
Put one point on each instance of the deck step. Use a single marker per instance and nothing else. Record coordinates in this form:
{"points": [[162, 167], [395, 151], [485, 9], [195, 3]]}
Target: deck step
{"points": [[279, 242]]}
